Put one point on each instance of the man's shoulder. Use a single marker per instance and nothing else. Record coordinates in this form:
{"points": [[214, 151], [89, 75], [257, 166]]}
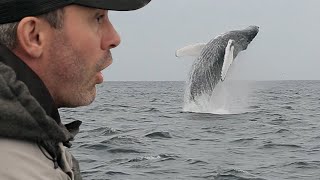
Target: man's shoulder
{"points": [[25, 160]]}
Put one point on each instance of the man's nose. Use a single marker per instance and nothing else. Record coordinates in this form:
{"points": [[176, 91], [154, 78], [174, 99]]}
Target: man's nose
{"points": [[111, 38]]}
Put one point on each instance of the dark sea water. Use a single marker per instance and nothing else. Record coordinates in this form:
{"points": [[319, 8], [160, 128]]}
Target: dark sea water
{"points": [[138, 130]]}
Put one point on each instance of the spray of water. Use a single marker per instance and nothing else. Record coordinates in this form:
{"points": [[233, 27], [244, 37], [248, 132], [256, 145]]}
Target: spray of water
{"points": [[228, 97]]}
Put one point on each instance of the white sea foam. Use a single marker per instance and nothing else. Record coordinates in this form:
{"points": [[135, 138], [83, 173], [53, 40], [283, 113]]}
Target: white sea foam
{"points": [[228, 97]]}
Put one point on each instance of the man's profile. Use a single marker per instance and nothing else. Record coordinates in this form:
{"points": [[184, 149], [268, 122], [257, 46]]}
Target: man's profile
{"points": [[52, 53]]}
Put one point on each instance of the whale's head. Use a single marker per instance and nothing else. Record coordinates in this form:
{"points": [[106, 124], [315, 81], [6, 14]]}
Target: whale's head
{"points": [[251, 32], [244, 37]]}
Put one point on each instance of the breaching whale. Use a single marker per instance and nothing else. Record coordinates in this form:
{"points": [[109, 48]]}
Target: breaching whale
{"points": [[214, 60]]}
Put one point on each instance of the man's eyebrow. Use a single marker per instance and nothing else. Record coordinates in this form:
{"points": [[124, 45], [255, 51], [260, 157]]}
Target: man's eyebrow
{"points": [[99, 11]]}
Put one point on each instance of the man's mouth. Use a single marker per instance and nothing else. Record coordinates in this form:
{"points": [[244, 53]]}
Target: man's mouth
{"points": [[99, 77]]}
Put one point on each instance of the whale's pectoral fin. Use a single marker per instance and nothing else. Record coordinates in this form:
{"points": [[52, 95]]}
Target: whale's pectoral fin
{"points": [[228, 59], [190, 50]]}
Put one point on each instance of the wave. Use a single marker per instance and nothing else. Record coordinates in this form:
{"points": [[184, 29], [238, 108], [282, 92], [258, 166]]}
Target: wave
{"points": [[205, 139], [198, 162], [159, 135], [234, 177], [161, 157], [124, 150], [274, 145], [105, 131], [282, 131], [147, 109], [121, 140], [243, 140], [145, 158], [98, 146], [116, 173], [235, 174], [305, 164], [288, 107]]}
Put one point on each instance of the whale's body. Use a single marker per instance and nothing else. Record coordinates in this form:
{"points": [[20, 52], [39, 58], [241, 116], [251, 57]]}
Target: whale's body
{"points": [[214, 59]]}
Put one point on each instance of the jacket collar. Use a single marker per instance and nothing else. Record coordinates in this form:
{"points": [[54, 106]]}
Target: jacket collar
{"points": [[35, 85]]}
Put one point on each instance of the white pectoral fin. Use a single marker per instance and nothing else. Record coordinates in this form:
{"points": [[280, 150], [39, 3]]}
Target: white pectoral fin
{"points": [[190, 50], [228, 59]]}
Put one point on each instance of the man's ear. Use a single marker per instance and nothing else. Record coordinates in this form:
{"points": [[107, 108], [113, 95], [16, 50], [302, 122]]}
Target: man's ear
{"points": [[30, 36]]}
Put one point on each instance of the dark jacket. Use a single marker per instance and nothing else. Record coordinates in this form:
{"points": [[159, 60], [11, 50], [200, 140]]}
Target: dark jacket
{"points": [[32, 137]]}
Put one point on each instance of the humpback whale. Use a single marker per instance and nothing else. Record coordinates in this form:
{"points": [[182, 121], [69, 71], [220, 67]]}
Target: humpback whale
{"points": [[214, 60]]}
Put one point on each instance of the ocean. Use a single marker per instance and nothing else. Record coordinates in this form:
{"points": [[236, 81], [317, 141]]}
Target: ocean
{"points": [[143, 130]]}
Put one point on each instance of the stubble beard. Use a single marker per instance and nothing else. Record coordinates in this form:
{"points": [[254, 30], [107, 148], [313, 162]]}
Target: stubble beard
{"points": [[73, 85]]}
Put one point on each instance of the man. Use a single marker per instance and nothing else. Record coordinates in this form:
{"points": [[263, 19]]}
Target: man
{"points": [[52, 53]]}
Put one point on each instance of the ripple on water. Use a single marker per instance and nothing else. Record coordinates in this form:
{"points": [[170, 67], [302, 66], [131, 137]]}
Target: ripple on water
{"points": [[87, 160], [147, 109], [122, 140], [213, 131], [254, 107], [234, 174], [206, 139], [85, 172], [166, 116], [243, 140], [159, 135], [160, 157], [305, 164], [234, 177], [115, 173], [278, 121], [96, 146], [288, 107], [282, 131], [275, 145], [163, 171], [197, 162], [124, 150], [144, 158], [104, 131]]}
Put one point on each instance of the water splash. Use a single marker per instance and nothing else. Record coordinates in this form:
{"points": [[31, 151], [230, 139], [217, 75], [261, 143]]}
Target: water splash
{"points": [[228, 97]]}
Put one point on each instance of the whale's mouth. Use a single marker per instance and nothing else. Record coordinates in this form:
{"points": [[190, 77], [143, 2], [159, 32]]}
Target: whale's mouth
{"points": [[253, 32], [252, 37]]}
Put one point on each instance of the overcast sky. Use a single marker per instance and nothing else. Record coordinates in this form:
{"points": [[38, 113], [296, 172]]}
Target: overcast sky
{"points": [[286, 48]]}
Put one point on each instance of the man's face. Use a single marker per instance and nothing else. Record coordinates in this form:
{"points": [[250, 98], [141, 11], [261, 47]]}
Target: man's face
{"points": [[78, 53]]}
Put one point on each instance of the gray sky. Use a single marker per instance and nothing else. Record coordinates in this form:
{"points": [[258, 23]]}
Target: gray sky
{"points": [[286, 48]]}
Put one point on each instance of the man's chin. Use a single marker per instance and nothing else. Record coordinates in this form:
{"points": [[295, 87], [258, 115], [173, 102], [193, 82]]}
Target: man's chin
{"points": [[81, 100]]}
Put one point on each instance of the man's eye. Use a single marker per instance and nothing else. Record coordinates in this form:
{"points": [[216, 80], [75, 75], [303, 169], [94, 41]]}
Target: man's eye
{"points": [[100, 19]]}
